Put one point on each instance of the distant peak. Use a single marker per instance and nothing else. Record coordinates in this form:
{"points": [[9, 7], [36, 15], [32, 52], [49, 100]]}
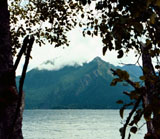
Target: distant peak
{"points": [[97, 59]]}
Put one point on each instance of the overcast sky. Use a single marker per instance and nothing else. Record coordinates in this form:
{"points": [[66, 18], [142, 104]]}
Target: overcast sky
{"points": [[81, 49]]}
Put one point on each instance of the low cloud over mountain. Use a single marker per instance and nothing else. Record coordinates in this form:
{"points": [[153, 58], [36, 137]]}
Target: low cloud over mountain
{"points": [[74, 86]]}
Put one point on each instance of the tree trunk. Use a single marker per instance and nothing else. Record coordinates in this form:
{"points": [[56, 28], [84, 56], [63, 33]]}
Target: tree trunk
{"points": [[151, 106], [8, 91]]}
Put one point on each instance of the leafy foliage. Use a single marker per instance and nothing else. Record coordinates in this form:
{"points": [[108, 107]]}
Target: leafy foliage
{"points": [[126, 25], [46, 20], [123, 25]]}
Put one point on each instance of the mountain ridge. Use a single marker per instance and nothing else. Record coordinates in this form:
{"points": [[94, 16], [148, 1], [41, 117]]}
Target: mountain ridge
{"points": [[86, 86]]}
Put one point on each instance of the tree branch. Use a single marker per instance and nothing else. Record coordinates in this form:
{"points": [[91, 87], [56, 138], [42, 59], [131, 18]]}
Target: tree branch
{"points": [[21, 52], [128, 80], [135, 105], [130, 116], [21, 82]]}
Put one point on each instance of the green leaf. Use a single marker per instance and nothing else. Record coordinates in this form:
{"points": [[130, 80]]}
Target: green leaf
{"points": [[142, 78], [148, 2], [138, 27], [110, 46], [104, 50], [122, 74], [133, 129], [121, 130], [80, 25], [105, 41], [96, 21], [82, 15], [148, 42], [120, 54], [84, 2], [88, 32], [157, 66], [134, 95], [103, 28], [119, 102], [137, 84], [95, 33], [121, 111], [158, 3], [115, 81], [152, 18]]}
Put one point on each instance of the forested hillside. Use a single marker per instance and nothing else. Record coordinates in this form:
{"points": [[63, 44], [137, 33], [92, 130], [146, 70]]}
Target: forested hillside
{"points": [[86, 86]]}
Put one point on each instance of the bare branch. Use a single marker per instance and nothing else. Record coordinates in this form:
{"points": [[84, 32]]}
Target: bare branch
{"points": [[21, 52], [21, 82], [130, 116]]}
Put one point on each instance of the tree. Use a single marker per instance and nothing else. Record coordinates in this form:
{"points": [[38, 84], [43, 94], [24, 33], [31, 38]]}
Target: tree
{"points": [[41, 21], [126, 25], [121, 25], [8, 91]]}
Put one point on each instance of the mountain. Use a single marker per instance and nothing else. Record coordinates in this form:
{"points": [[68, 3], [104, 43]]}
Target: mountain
{"points": [[86, 86], [134, 71]]}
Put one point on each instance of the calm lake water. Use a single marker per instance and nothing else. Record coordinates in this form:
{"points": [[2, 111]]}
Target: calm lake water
{"points": [[74, 124]]}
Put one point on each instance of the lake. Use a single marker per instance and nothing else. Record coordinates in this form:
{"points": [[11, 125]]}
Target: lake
{"points": [[75, 124]]}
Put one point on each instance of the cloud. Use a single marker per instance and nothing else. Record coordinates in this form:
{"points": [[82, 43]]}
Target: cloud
{"points": [[81, 50]]}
